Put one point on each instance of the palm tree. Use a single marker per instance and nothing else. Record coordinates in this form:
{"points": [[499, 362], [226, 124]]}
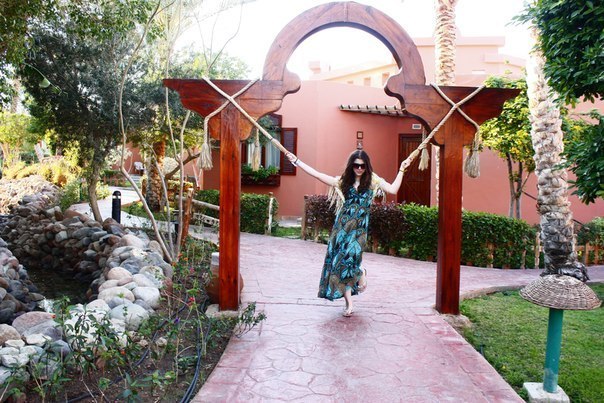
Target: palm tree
{"points": [[444, 40], [557, 233], [444, 74]]}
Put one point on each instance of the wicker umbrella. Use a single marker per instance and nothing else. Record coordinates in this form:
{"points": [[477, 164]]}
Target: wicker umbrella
{"points": [[561, 292]]}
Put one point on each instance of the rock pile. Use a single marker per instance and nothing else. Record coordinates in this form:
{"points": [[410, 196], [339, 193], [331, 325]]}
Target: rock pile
{"points": [[15, 191], [126, 270]]}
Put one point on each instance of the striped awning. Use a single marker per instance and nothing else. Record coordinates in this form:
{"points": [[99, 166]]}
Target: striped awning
{"points": [[375, 109]]}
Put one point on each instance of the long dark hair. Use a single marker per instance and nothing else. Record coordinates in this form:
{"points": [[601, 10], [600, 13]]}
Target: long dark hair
{"points": [[348, 176]]}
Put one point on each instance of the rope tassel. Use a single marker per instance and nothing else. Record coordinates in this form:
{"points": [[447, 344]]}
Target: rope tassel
{"points": [[257, 154], [424, 160], [472, 164], [205, 156]]}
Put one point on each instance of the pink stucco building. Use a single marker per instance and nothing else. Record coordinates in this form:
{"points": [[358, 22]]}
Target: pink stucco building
{"points": [[323, 122]]}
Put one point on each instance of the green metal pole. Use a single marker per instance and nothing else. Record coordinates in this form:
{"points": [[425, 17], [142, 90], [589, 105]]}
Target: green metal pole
{"points": [[552, 351]]}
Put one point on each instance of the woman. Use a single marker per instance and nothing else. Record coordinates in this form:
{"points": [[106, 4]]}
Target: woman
{"points": [[352, 193]]}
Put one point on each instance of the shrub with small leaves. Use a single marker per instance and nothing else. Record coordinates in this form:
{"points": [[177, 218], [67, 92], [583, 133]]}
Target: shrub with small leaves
{"points": [[254, 209]]}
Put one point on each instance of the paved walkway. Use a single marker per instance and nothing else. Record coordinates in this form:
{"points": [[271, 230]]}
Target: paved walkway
{"points": [[395, 347]]}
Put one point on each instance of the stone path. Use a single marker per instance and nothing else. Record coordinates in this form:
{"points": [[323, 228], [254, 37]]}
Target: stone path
{"points": [[394, 348]]}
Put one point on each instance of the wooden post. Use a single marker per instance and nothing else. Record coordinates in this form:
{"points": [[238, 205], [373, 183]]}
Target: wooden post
{"points": [[449, 219], [537, 249], [303, 228], [269, 219], [186, 217], [230, 191]]}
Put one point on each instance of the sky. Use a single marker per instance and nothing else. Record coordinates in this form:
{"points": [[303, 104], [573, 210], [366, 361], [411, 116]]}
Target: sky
{"points": [[262, 20]]}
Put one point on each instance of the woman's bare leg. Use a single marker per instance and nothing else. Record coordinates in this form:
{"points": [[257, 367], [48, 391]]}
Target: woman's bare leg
{"points": [[348, 298]]}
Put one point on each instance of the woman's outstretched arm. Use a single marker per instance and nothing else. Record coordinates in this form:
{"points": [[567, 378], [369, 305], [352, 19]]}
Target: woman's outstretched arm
{"points": [[393, 187], [328, 180]]}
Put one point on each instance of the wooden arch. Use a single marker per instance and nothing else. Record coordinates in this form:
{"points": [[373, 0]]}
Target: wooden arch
{"points": [[344, 14], [408, 86]]}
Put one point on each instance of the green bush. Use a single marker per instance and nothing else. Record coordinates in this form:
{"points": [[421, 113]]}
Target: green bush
{"points": [[487, 239], [387, 225], [509, 238], [421, 225], [592, 232], [254, 210], [75, 192], [260, 174], [56, 170], [319, 214]]}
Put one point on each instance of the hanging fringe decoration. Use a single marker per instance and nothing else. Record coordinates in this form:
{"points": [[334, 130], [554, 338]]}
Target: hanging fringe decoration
{"points": [[472, 164], [424, 160], [256, 156], [205, 155]]}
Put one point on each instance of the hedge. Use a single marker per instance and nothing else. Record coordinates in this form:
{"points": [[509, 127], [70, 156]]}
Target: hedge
{"points": [[488, 240], [254, 210]]}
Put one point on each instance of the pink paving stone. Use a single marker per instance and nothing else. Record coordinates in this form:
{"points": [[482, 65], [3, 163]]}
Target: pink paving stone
{"points": [[328, 384], [228, 376], [370, 357]]}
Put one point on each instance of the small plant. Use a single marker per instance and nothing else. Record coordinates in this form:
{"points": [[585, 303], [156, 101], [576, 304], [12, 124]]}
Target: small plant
{"points": [[248, 319], [260, 174]]}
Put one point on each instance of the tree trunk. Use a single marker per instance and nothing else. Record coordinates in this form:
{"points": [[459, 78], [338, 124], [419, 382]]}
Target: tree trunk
{"points": [[445, 32], [519, 187], [14, 102], [511, 184], [552, 198], [93, 180], [154, 187], [444, 74]]}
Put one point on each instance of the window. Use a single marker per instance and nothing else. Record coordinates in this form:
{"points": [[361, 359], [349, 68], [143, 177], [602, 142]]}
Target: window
{"points": [[271, 156]]}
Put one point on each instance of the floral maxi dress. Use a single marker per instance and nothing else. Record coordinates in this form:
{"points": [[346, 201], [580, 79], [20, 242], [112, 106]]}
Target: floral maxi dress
{"points": [[342, 266]]}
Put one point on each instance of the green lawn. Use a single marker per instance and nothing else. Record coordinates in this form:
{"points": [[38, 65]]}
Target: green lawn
{"points": [[511, 334]]}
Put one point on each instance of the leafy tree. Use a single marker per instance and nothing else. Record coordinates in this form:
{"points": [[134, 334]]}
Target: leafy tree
{"points": [[14, 134], [571, 40], [79, 60], [584, 153], [15, 19], [509, 135]]}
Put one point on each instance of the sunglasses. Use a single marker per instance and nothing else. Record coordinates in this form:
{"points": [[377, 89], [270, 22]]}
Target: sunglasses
{"points": [[358, 166]]}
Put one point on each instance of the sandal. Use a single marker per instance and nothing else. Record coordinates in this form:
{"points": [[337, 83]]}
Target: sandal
{"points": [[347, 312], [363, 287]]}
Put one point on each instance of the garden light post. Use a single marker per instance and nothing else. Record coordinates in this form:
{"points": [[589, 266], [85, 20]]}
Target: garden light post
{"points": [[116, 206], [556, 292], [552, 350]]}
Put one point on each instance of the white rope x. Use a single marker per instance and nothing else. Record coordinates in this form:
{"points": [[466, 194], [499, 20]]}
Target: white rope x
{"points": [[454, 107], [244, 113]]}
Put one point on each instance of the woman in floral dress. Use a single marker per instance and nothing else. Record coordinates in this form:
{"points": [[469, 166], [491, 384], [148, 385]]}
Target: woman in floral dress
{"points": [[352, 193]]}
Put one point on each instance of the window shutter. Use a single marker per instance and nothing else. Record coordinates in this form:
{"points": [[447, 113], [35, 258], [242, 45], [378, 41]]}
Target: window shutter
{"points": [[289, 139]]}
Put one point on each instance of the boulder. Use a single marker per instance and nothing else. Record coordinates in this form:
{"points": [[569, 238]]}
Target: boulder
{"points": [[120, 292], [7, 332], [118, 273], [148, 294], [30, 319]]}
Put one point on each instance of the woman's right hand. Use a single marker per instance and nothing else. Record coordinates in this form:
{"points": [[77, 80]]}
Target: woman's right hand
{"points": [[291, 157]]}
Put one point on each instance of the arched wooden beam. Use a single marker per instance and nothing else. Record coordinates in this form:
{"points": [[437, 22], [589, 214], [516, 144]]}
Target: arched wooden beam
{"points": [[344, 14]]}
